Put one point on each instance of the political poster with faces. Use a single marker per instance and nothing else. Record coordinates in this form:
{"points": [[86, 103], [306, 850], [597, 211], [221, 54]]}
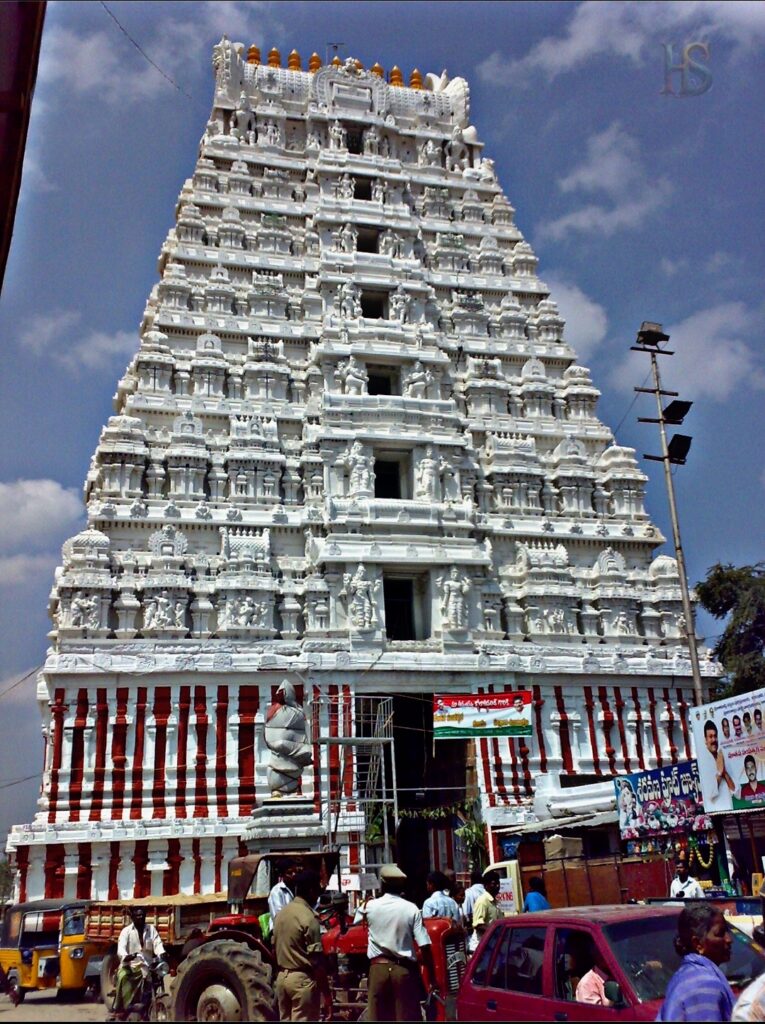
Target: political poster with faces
{"points": [[729, 738], [470, 715]]}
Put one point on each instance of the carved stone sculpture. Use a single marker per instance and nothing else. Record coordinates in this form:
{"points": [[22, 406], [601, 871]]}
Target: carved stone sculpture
{"points": [[360, 593], [286, 737], [454, 607]]}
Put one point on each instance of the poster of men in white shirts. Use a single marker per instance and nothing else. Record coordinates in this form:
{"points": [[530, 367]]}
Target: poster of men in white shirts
{"points": [[730, 750]]}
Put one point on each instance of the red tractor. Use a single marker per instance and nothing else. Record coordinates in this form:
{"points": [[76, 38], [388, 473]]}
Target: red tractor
{"points": [[227, 972]]}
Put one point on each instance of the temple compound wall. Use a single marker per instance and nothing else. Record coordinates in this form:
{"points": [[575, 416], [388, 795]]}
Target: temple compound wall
{"points": [[353, 451]]}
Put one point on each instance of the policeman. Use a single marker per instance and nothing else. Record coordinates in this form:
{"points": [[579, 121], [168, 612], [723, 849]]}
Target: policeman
{"points": [[395, 925]]}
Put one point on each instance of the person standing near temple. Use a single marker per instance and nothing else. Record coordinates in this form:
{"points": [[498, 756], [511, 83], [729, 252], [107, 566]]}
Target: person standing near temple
{"points": [[536, 897], [283, 892], [474, 890], [395, 927], [698, 990], [439, 903], [302, 984], [486, 909], [683, 886]]}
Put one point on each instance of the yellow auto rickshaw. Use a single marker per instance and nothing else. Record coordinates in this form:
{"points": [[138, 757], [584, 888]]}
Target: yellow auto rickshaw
{"points": [[43, 946]]}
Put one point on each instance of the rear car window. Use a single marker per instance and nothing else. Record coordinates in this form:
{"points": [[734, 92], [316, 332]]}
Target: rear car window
{"points": [[517, 967]]}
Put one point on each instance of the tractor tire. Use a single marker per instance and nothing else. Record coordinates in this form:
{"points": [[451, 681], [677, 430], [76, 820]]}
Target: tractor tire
{"points": [[109, 978], [224, 980]]}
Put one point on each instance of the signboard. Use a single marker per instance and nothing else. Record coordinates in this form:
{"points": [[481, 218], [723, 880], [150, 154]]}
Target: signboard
{"points": [[661, 801], [472, 715], [730, 748]]}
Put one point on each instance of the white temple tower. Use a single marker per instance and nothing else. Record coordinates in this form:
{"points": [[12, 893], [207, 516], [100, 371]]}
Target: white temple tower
{"points": [[354, 451]]}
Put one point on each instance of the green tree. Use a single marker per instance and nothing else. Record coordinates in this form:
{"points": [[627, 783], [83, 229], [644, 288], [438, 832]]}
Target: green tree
{"points": [[738, 593]]}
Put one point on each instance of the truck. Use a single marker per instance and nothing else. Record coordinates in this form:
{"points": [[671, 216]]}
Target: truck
{"points": [[177, 919]]}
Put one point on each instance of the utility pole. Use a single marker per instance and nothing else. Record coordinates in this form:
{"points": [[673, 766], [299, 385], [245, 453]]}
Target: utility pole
{"points": [[674, 452]]}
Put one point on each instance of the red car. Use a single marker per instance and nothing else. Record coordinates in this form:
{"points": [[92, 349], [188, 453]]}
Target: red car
{"points": [[527, 967]]}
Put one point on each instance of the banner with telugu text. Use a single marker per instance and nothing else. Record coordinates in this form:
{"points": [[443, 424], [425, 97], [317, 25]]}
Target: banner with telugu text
{"points": [[660, 801], [474, 715]]}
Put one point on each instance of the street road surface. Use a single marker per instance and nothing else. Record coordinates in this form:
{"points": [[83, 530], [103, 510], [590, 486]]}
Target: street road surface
{"points": [[45, 1006]]}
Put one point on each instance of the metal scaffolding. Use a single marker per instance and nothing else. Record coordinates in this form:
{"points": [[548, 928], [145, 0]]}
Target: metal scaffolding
{"points": [[364, 800]]}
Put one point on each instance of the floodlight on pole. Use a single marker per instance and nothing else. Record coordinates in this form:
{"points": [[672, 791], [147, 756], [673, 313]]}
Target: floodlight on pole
{"points": [[649, 339]]}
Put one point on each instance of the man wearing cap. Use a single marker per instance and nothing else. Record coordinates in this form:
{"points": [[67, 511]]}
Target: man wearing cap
{"points": [[395, 925], [301, 985]]}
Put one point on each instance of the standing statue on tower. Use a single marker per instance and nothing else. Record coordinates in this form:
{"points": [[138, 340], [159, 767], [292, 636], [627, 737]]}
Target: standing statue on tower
{"points": [[286, 738]]}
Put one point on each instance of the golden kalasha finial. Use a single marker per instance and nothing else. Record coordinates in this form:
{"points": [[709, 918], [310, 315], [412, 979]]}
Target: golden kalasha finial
{"points": [[253, 55], [293, 61], [378, 69], [415, 80], [336, 62], [359, 65], [274, 58], [314, 63], [396, 78]]}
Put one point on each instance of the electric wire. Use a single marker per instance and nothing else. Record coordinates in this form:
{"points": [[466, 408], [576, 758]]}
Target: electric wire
{"points": [[143, 53], [18, 682]]}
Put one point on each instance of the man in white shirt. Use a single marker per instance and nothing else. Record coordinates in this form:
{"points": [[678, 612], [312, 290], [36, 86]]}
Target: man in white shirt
{"points": [[395, 925], [716, 784], [135, 939], [684, 887], [283, 892]]}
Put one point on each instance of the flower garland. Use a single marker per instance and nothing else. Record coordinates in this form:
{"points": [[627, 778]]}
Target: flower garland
{"points": [[695, 851]]}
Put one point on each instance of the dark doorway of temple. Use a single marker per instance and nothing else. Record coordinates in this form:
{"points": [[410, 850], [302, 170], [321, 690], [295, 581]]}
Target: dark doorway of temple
{"points": [[430, 778]]}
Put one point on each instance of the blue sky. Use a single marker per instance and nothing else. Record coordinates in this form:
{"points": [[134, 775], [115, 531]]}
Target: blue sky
{"points": [[639, 206]]}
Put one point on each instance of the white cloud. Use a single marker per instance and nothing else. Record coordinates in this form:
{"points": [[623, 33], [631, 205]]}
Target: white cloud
{"points": [[586, 320], [611, 166], [56, 334], [34, 177], [25, 570], [671, 267], [35, 515], [627, 31], [105, 62], [713, 355]]}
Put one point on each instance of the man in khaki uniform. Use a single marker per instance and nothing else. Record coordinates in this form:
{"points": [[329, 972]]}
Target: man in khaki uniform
{"points": [[395, 925], [486, 910], [301, 982]]}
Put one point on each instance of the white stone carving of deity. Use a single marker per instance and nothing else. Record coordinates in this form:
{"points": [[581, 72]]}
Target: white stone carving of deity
{"points": [[418, 382], [430, 154], [248, 612], [428, 477], [345, 186], [451, 486], [180, 613], [360, 593], [360, 475], [350, 306], [355, 377], [336, 136], [286, 735], [400, 303], [379, 191], [454, 607], [348, 236], [81, 610], [371, 141], [314, 140]]}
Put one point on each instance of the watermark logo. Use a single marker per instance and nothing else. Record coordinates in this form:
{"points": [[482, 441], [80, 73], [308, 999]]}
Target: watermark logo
{"points": [[695, 77]]}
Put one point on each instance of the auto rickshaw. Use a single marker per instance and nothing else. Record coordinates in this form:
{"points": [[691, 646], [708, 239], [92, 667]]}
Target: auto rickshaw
{"points": [[43, 946]]}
